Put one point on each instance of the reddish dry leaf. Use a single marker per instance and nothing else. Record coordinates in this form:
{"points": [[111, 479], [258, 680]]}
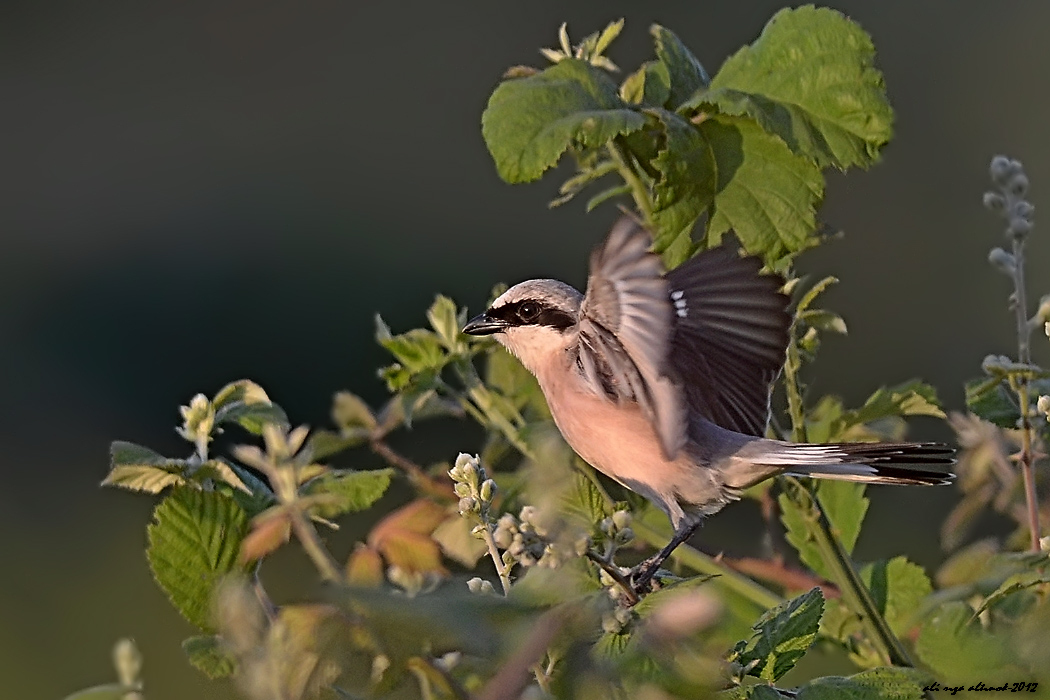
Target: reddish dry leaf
{"points": [[267, 535], [364, 567]]}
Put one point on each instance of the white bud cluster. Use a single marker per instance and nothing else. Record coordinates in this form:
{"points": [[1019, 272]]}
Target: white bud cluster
{"points": [[527, 542], [617, 527], [1009, 202], [472, 485], [480, 585]]}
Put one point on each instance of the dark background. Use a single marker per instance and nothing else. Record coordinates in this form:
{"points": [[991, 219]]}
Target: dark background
{"points": [[195, 194]]}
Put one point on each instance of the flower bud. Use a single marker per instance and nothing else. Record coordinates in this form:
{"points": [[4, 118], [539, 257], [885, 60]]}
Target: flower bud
{"points": [[462, 490], [1000, 168], [1043, 404], [1019, 185], [1002, 260], [503, 538], [993, 201], [466, 505], [1019, 228], [488, 488], [621, 519], [1024, 210], [527, 514]]}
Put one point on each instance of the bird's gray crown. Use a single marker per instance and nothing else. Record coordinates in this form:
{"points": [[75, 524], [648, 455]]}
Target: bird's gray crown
{"points": [[542, 302]]}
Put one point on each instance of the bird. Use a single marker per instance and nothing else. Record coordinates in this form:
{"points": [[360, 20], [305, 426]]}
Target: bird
{"points": [[661, 379]]}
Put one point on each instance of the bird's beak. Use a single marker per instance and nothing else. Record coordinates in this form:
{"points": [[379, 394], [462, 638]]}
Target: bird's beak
{"points": [[482, 324]]}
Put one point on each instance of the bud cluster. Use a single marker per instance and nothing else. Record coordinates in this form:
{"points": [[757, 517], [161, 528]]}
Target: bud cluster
{"points": [[1010, 203], [617, 528], [198, 422], [473, 486], [526, 541]]}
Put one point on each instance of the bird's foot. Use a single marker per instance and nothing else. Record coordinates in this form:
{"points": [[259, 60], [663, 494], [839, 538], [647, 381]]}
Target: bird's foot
{"points": [[641, 576]]}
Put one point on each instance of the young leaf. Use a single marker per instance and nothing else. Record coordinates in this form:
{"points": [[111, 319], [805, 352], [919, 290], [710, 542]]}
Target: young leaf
{"points": [[898, 588], [205, 652], [404, 537], [347, 491], [530, 122], [765, 193], [193, 542], [447, 322], [782, 636], [245, 403], [350, 411], [584, 501], [138, 468], [219, 471], [686, 186], [810, 79], [650, 85], [991, 399], [686, 75]]}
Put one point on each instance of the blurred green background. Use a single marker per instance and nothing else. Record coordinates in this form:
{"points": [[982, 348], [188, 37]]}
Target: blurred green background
{"points": [[195, 193]]}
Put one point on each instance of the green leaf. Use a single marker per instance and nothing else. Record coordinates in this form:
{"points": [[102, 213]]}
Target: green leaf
{"points": [[346, 491], [765, 193], [205, 652], [139, 468], [505, 374], [685, 187], [810, 79], [350, 411], [584, 501], [245, 403], [652, 601], [752, 692], [219, 471], [958, 650], [686, 75], [991, 399], [416, 350], [447, 321], [650, 85], [875, 684], [193, 543], [898, 588], [530, 122], [782, 637], [844, 504]]}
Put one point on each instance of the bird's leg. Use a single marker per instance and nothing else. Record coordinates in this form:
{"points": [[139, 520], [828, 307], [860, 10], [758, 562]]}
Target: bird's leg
{"points": [[644, 572]]}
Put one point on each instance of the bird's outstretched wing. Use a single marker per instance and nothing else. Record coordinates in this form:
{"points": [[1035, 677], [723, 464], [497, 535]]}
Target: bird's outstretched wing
{"points": [[730, 336], [625, 331]]}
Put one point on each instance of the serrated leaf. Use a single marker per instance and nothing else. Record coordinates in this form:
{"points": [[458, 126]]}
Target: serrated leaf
{"points": [[782, 636], [583, 501], [959, 650], [685, 74], [347, 491], [220, 471], [143, 477], [810, 79], [898, 588], [364, 567], [194, 541], [545, 587], [827, 321], [243, 390], [650, 85], [765, 193], [844, 504], [874, 684], [253, 417], [325, 443], [530, 122], [404, 537], [416, 350], [989, 398], [269, 531], [685, 187], [207, 655]]}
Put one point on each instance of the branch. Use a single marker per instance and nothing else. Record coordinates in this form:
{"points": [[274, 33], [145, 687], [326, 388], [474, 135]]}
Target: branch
{"points": [[417, 476], [776, 572], [638, 189]]}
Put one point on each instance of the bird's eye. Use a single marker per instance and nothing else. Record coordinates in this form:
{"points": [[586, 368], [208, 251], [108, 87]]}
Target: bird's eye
{"points": [[528, 311]]}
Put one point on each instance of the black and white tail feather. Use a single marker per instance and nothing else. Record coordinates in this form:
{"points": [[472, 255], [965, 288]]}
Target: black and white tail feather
{"points": [[903, 463]]}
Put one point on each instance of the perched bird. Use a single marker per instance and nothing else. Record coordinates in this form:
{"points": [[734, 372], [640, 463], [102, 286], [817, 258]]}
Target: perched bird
{"points": [[661, 379]]}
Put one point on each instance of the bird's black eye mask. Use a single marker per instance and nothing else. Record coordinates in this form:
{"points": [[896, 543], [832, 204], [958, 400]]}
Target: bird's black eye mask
{"points": [[531, 313]]}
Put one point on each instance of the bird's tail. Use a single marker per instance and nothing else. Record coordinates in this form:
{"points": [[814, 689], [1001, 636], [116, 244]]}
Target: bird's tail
{"points": [[925, 463]]}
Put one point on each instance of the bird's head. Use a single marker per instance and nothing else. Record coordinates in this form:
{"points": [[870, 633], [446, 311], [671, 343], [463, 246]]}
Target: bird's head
{"points": [[534, 320]]}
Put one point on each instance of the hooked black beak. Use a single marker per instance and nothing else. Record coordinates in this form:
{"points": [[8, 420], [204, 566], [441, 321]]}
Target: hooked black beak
{"points": [[482, 324]]}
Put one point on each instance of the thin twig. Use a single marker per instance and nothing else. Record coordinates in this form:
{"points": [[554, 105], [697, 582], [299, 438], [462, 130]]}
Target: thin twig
{"points": [[615, 575], [315, 549], [501, 568], [777, 572], [415, 473], [1024, 356], [512, 677]]}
